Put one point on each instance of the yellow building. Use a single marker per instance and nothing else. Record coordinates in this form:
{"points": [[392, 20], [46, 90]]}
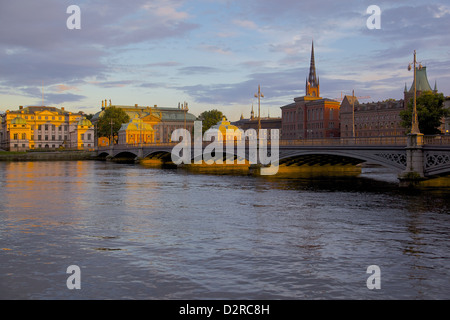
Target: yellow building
{"points": [[83, 136], [224, 130], [162, 120], [38, 127], [103, 142], [136, 132]]}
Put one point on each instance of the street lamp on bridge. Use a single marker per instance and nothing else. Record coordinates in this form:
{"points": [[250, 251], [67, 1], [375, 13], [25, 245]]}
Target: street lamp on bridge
{"points": [[415, 122], [259, 95]]}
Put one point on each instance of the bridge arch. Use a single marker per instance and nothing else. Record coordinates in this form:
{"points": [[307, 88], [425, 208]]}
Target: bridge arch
{"points": [[125, 155], [395, 161]]}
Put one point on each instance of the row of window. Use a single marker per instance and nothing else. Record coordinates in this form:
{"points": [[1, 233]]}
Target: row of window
{"points": [[46, 137], [40, 117]]}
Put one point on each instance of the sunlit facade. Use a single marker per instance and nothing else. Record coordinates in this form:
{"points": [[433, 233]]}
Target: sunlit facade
{"points": [[136, 132], [224, 131], [43, 127], [163, 121]]}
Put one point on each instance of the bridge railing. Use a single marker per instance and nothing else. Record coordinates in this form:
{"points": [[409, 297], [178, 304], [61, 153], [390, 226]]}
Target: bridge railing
{"points": [[358, 141], [440, 140]]}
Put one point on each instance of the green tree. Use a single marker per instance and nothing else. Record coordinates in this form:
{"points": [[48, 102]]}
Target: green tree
{"points": [[430, 110], [113, 115], [210, 118]]}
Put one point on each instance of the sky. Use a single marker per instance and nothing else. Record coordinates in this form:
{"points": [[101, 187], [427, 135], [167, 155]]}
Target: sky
{"points": [[214, 54]]}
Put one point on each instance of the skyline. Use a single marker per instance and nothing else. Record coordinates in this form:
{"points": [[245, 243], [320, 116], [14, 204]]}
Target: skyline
{"points": [[214, 54]]}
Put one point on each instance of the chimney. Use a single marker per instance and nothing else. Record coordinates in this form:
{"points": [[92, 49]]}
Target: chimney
{"points": [[20, 107], [136, 105], [62, 108]]}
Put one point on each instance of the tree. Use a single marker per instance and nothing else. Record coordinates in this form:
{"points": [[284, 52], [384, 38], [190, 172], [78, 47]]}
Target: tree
{"points": [[210, 118], [430, 111], [117, 116]]}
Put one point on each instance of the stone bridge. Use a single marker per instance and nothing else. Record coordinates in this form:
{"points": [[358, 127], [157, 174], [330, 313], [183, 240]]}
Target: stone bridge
{"points": [[425, 156]]}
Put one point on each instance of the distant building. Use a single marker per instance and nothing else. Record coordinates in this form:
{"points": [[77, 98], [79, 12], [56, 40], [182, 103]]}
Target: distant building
{"points": [[162, 120], [381, 118], [310, 116], [371, 119], [224, 130], [267, 123], [135, 132], [43, 127]]}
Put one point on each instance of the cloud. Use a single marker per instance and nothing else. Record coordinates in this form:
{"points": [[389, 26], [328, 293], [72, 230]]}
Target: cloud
{"points": [[215, 49], [284, 84], [63, 87], [198, 70], [246, 24], [36, 46]]}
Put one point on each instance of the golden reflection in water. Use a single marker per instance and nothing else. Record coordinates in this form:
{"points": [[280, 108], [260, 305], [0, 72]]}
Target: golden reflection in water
{"points": [[32, 190]]}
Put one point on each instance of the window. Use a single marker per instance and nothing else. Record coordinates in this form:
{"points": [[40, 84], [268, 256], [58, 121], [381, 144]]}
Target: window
{"points": [[24, 136], [89, 136], [46, 137], [39, 138], [46, 127], [60, 137], [59, 128], [40, 127], [16, 136], [82, 136], [53, 137]]}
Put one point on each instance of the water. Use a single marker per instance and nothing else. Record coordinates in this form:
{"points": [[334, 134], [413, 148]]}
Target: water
{"points": [[141, 233]]}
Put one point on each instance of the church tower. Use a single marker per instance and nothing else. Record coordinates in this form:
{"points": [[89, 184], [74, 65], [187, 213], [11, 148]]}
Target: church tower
{"points": [[312, 82]]}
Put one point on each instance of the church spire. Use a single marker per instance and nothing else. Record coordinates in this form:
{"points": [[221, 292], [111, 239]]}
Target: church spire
{"points": [[312, 81], [312, 68]]}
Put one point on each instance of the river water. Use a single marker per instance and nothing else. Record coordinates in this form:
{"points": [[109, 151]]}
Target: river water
{"points": [[146, 233]]}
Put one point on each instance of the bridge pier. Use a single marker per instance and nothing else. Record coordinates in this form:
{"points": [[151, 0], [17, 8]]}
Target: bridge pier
{"points": [[140, 154], [414, 172]]}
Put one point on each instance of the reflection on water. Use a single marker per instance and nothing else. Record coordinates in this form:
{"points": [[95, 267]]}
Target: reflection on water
{"points": [[141, 233]]}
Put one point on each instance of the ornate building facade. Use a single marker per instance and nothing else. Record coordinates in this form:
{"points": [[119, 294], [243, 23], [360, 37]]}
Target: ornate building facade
{"points": [[43, 127], [160, 122]]}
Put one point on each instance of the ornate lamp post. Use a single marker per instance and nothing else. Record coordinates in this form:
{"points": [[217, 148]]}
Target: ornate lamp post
{"points": [[415, 122]]}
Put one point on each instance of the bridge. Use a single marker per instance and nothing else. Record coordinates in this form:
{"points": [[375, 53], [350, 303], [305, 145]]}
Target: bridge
{"points": [[412, 156]]}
